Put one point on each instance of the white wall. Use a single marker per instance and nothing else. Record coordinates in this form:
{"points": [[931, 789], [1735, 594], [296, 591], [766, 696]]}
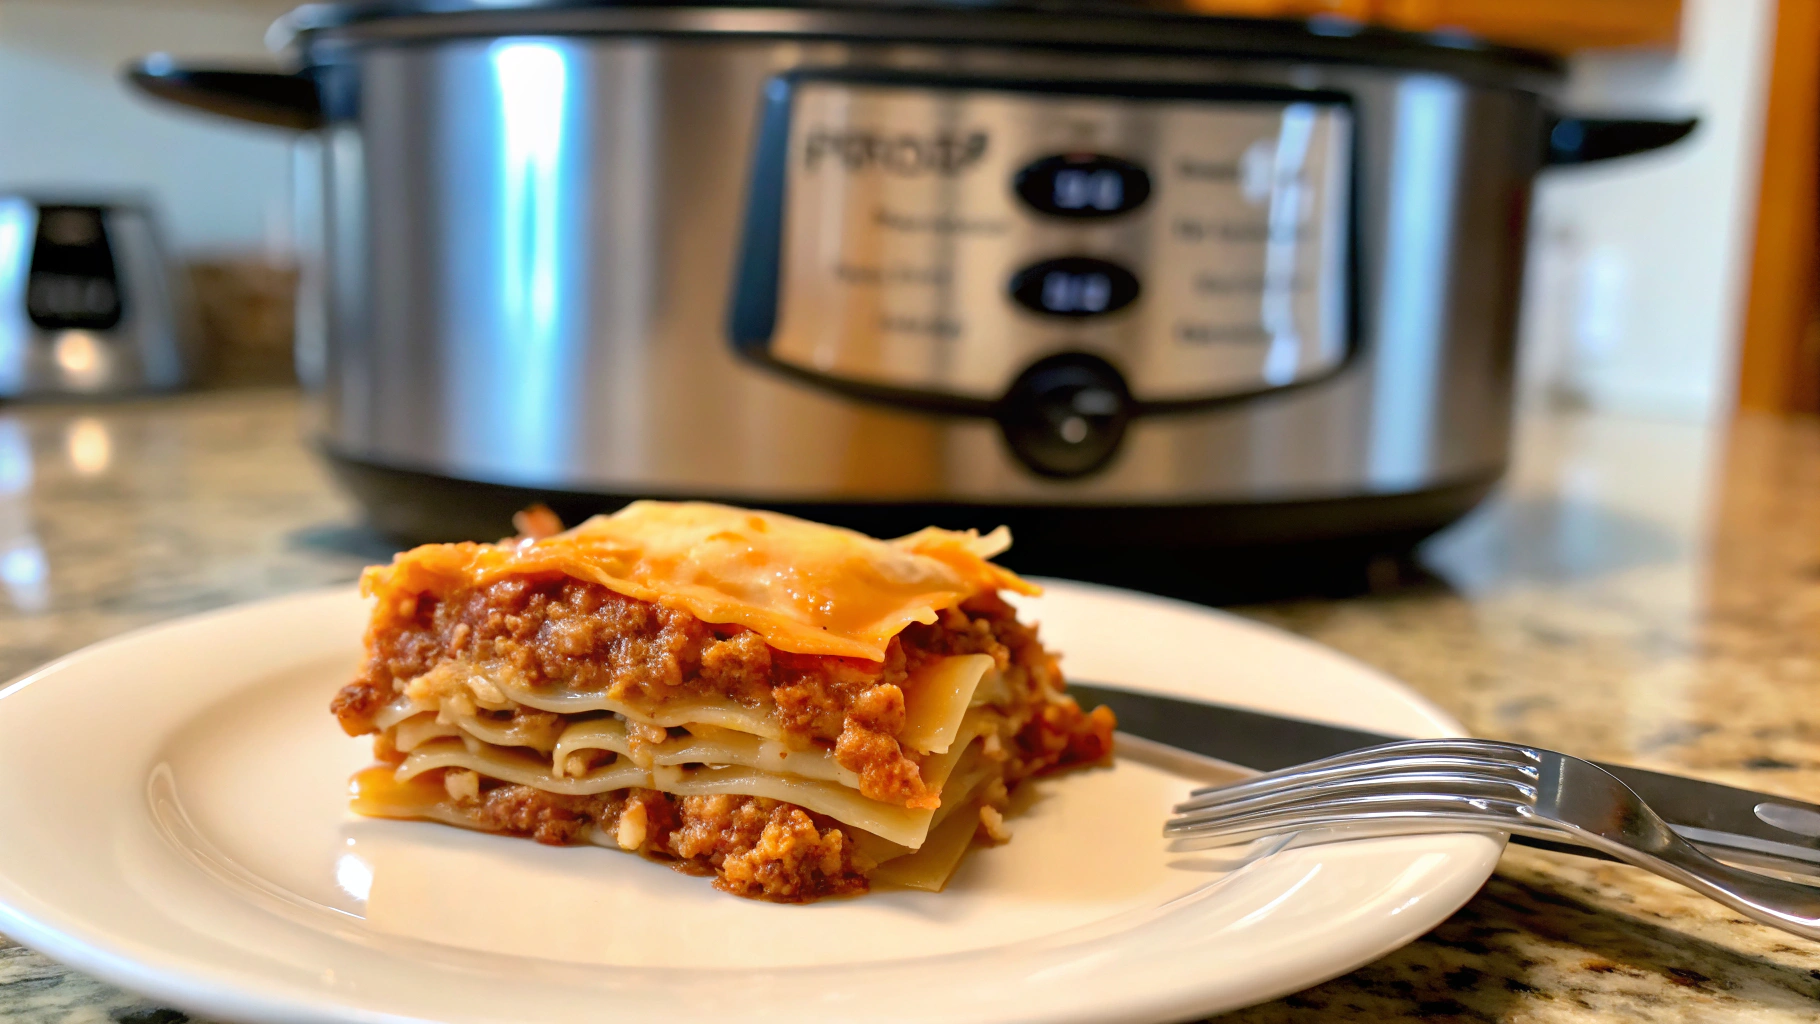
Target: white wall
{"points": [[1638, 269], [67, 122]]}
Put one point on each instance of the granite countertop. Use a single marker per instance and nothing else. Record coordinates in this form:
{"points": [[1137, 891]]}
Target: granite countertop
{"points": [[1641, 592]]}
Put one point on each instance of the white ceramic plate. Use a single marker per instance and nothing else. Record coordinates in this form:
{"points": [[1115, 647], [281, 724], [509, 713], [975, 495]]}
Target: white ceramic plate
{"points": [[173, 820]]}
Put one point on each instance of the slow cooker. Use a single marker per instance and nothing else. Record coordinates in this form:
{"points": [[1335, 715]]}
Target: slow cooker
{"points": [[1126, 278]]}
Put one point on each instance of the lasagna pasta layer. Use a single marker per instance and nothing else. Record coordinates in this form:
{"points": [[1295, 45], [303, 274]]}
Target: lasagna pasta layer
{"points": [[790, 707]]}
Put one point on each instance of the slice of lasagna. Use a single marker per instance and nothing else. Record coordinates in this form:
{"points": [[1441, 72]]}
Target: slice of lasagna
{"points": [[795, 708]]}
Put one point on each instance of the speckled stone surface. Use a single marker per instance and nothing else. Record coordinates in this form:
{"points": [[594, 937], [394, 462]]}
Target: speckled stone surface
{"points": [[1642, 592]]}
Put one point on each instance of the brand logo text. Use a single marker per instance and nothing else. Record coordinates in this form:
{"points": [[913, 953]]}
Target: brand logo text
{"points": [[857, 150]]}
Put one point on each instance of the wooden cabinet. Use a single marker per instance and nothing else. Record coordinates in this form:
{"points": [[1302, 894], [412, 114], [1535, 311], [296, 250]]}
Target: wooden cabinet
{"points": [[1561, 26], [1779, 365]]}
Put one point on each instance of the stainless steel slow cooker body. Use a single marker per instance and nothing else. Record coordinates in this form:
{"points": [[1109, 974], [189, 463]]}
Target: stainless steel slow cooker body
{"points": [[888, 265]]}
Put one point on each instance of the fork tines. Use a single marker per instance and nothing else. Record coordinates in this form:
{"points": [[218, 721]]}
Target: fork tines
{"points": [[1490, 782]]}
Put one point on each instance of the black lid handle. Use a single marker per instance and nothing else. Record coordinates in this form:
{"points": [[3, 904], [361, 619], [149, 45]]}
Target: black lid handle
{"points": [[263, 97], [1582, 140]]}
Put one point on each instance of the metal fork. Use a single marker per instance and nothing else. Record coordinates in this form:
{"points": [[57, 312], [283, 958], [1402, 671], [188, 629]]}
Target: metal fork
{"points": [[1466, 785]]}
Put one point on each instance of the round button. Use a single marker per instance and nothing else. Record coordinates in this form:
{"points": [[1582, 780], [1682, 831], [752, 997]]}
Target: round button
{"points": [[1074, 286], [1066, 414], [1083, 185]]}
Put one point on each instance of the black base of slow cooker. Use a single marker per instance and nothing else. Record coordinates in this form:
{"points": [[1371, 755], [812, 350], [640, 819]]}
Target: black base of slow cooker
{"points": [[1213, 553]]}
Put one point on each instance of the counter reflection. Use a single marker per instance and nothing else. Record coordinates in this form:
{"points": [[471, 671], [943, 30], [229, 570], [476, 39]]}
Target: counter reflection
{"points": [[24, 570]]}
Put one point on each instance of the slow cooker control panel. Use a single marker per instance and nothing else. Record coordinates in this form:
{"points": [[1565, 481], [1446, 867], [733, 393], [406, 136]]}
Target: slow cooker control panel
{"points": [[972, 246]]}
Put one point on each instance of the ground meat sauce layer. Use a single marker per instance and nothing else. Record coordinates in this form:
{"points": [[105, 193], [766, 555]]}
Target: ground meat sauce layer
{"points": [[753, 846], [559, 632]]}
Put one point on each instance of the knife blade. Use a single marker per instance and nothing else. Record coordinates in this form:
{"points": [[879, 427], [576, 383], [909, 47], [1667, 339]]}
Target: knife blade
{"points": [[1738, 825]]}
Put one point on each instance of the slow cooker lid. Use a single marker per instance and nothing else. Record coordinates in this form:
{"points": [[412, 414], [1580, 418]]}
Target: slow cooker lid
{"points": [[1113, 25]]}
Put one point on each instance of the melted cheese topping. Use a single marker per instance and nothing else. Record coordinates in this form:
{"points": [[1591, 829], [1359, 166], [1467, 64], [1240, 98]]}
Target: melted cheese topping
{"points": [[805, 587]]}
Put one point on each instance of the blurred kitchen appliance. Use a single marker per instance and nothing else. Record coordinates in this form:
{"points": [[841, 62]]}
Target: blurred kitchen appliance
{"points": [[88, 301], [1119, 276]]}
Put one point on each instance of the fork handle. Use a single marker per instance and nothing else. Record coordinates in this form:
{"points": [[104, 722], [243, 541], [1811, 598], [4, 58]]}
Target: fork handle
{"points": [[1789, 906]]}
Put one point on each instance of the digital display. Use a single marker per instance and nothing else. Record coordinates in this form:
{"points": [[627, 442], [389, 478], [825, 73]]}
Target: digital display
{"points": [[1075, 286], [1078, 189], [1083, 185], [72, 283], [1076, 293]]}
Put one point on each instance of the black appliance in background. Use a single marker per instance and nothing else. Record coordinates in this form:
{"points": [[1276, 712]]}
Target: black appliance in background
{"points": [[88, 303]]}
